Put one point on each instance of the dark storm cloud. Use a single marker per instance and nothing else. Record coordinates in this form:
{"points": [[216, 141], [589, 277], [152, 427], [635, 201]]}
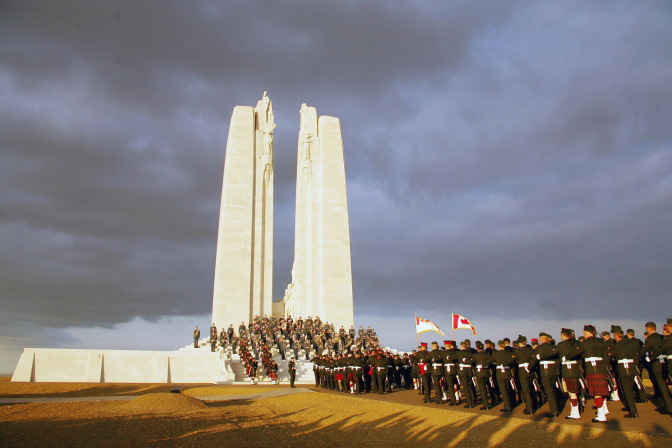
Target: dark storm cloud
{"points": [[500, 156]]}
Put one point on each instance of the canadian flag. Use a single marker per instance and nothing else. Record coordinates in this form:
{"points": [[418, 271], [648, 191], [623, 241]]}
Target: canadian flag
{"points": [[422, 325], [462, 322]]}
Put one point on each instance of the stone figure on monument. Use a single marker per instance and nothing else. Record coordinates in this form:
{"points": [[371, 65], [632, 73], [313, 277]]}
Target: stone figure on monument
{"points": [[306, 143], [268, 107], [290, 306], [267, 130], [224, 371], [304, 118], [267, 155]]}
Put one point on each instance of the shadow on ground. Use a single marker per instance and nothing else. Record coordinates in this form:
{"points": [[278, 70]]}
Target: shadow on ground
{"points": [[317, 420]]}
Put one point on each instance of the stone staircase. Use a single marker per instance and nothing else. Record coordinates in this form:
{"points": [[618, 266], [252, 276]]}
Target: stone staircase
{"points": [[304, 368]]}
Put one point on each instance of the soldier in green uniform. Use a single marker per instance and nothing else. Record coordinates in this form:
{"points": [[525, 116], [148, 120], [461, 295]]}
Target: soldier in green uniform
{"points": [[667, 348], [357, 366], [626, 354], [197, 336], [291, 368], [546, 356], [483, 376], [406, 371], [572, 376], [390, 370], [466, 374], [436, 370], [397, 370], [425, 376], [504, 360], [380, 371], [524, 354], [450, 372], [415, 370], [596, 354], [653, 350]]}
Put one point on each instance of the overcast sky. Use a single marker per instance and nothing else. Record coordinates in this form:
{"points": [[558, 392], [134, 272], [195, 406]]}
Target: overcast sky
{"points": [[508, 161]]}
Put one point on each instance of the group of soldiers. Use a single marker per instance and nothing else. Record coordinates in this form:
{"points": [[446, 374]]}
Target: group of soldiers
{"points": [[289, 335], [372, 371], [594, 365], [252, 365], [601, 366]]}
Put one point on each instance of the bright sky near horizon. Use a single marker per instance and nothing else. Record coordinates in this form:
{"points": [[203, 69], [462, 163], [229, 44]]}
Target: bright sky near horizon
{"points": [[507, 161]]}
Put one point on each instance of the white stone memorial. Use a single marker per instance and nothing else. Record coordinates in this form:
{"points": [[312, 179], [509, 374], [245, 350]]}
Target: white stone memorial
{"points": [[321, 275], [244, 262], [322, 271]]}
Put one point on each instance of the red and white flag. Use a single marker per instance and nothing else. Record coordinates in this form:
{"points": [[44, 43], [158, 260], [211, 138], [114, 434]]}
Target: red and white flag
{"points": [[462, 322], [422, 325]]}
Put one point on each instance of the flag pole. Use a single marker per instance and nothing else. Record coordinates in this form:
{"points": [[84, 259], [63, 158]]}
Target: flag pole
{"points": [[416, 330], [452, 324]]}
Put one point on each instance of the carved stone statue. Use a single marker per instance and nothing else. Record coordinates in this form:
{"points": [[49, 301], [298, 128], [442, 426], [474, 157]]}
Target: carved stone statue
{"points": [[306, 143], [268, 107], [290, 305], [304, 117], [224, 370], [267, 130]]}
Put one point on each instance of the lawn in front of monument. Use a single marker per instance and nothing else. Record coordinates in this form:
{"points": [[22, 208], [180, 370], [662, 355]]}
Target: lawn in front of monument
{"points": [[309, 419]]}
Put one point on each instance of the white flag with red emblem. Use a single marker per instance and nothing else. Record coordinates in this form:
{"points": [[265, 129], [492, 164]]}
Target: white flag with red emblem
{"points": [[462, 322], [422, 325]]}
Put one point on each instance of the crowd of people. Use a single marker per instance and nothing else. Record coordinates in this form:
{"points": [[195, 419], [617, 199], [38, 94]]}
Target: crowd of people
{"points": [[289, 335], [593, 366], [601, 366], [255, 341]]}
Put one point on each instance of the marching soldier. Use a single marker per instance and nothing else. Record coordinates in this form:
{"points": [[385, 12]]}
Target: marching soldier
{"points": [[291, 368], [436, 370], [504, 360], [415, 370], [546, 356], [667, 347], [406, 370], [450, 372], [483, 376], [626, 354], [595, 352], [425, 375], [381, 372], [524, 354], [357, 366], [466, 374], [641, 393], [390, 371], [571, 370], [398, 370], [653, 349]]}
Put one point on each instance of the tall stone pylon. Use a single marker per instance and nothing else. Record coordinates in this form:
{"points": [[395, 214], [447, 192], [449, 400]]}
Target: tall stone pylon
{"points": [[244, 262], [322, 271]]}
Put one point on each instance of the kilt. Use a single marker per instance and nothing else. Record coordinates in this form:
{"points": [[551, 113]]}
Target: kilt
{"points": [[338, 377], [598, 384], [351, 377], [572, 385]]}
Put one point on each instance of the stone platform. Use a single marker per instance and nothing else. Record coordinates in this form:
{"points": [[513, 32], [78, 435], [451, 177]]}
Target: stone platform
{"points": [[137, 366]]}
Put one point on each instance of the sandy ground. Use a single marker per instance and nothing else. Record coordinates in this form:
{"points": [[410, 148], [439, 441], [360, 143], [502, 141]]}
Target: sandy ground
{"points": [[157, 418]]}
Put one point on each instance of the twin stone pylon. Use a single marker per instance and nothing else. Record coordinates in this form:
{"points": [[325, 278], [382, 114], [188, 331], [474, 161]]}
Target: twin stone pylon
{"points": [[322, 271]]}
